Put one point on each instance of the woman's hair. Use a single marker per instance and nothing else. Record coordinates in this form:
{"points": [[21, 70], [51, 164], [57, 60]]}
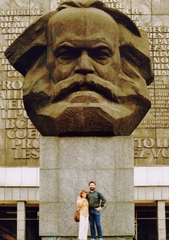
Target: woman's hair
{"points": [[83, 191]]}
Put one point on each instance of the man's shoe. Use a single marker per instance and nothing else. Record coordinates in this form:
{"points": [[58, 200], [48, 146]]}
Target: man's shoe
{"points": [[93, 239], [100, 238]]}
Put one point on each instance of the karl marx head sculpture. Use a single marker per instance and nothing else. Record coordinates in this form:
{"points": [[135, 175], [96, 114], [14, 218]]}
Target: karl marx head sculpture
{"points": [[86, 69]]}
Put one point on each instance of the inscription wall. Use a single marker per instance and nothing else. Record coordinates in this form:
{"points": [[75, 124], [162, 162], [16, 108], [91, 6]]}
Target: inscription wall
{"points": [[19, 140]]}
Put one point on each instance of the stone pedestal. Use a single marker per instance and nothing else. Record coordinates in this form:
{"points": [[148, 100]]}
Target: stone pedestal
{"points": [[67, 165]]}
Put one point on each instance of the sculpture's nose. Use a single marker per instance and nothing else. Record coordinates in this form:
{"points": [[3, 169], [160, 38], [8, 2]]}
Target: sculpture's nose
{"points": [[84, 64]]}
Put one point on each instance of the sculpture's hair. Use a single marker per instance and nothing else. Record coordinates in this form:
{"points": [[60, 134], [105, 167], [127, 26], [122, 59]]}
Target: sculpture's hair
{"points": [[118, 16]]}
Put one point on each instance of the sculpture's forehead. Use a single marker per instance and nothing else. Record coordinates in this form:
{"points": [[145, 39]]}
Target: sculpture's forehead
{"points": [[81, 23]]}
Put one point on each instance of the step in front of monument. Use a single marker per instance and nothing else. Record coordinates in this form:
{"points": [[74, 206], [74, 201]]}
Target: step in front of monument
{"points": [[76, 238]]}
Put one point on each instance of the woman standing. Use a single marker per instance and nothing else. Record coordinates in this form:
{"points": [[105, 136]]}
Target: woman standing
{"points": [[83, 205]]}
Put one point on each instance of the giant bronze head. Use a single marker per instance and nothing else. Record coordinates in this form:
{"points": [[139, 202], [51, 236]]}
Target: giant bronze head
{"points": [[86, 69]]}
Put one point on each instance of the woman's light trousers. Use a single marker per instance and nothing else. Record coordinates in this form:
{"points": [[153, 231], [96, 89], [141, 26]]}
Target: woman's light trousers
{"points": [[83, 227]]}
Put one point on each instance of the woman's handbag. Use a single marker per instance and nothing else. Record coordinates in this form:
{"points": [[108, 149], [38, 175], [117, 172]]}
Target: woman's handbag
{"points": [[77, 215]]}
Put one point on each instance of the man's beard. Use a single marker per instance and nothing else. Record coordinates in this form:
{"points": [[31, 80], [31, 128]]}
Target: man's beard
{"points": [[92, 188], [84, 105]]}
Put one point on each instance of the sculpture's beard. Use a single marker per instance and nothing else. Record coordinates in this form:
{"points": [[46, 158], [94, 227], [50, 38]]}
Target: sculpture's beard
{"points": [[85, 105]]}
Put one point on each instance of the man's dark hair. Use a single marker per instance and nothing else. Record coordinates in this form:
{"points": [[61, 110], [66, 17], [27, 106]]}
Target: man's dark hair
{"points": [[92, 182]]}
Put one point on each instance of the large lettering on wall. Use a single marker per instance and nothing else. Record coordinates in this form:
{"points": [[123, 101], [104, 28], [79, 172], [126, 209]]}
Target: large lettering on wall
{"points": [[19, 143], [19, 140], [151, 151]]}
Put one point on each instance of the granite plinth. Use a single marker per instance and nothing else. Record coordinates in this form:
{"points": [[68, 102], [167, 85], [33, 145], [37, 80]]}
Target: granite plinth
{"points": [[66, 167]]}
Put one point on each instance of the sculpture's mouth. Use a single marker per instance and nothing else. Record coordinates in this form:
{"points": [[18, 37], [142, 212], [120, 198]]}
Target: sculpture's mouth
{"points": [[84, 89], [86, 96], [89, 95]]}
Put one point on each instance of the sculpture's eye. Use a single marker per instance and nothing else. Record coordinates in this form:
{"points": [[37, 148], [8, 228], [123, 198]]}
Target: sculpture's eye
{"points": [[66, 54], [100, 54]]}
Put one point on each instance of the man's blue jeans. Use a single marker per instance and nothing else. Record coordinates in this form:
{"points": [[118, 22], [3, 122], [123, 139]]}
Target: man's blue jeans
{"points": [[94, 219]]}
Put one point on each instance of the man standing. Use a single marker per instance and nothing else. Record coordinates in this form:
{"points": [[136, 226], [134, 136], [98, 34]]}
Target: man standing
{"points": [[96, 202]]}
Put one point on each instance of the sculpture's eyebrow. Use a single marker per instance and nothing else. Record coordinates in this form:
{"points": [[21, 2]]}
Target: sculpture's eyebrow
{"points": [[103, 47], [64, 44], [82, 44]]}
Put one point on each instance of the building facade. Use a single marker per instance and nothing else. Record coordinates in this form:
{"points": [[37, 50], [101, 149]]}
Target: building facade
{"points": [[19, 140]]}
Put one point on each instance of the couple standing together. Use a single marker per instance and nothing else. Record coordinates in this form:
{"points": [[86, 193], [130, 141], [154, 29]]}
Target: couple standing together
{"points": [[90, 204]]}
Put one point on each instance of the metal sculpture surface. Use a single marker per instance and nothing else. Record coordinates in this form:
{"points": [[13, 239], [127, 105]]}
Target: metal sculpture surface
{"points": [[86, 69]]}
